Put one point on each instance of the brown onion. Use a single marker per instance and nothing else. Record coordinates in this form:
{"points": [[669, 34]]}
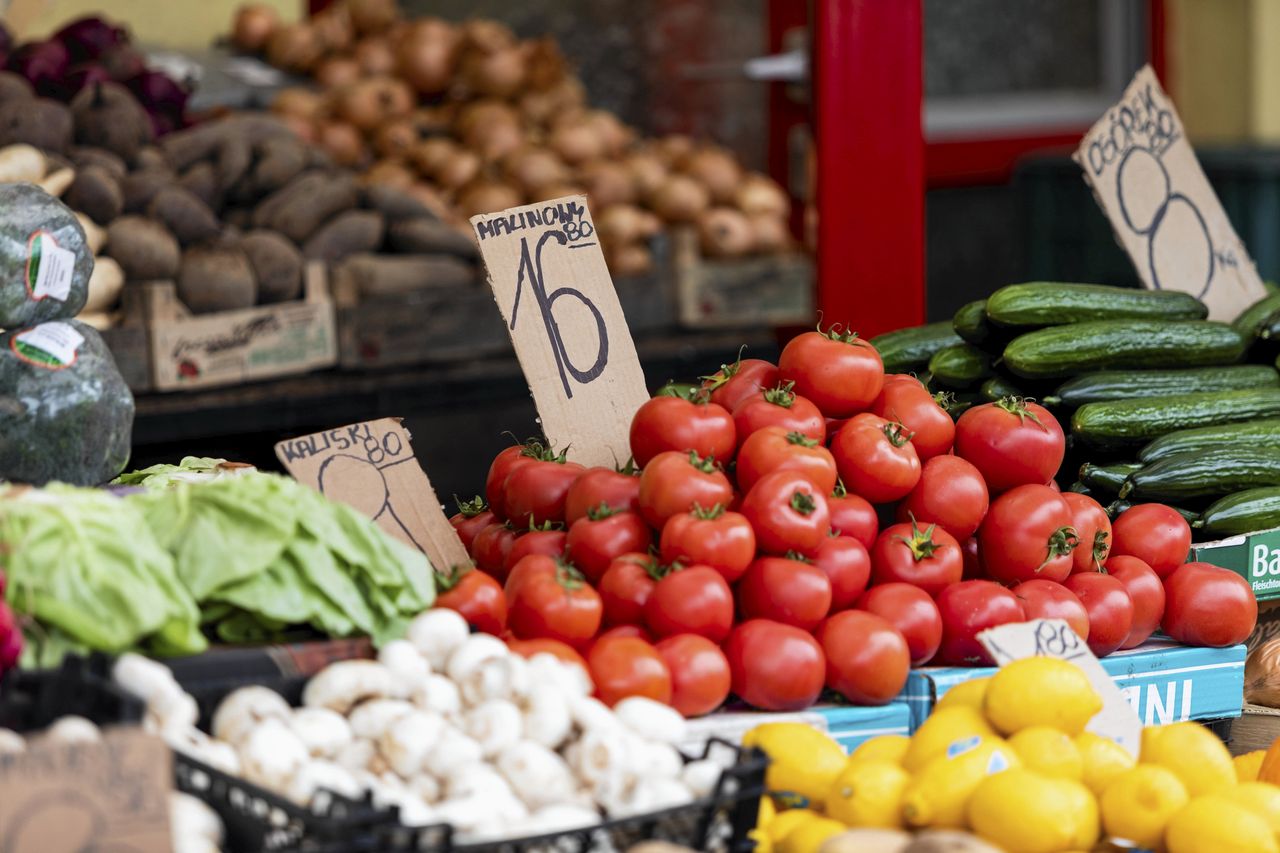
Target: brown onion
{"points": [[499, 74], [486, 197], [426, 56], [615, 135], [725, 233], [334, 72], [298, 102], [293, 47], [304, 129], [647, 174], [680, 199], [759, 194], [396, 138], [673, 148], [333, 28], [607, 183], [576, 142], [718, 171], [532, 167], [392, 173], [487, 35], [369, 103], [770, 233], [476, 117], [253, 25], [458, 171], [370, 17], [621, 225], [430, 155], [431, 197], [630, 260], [375, 56], [555, 191], [545, 64], [343, 142]]}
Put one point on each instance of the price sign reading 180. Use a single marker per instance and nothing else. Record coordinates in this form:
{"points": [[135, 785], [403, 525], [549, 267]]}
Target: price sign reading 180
{"points": [[552, 286]]}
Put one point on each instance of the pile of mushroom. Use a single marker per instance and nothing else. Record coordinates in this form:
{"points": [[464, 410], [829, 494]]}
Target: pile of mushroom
{"points": [[447, 727]]}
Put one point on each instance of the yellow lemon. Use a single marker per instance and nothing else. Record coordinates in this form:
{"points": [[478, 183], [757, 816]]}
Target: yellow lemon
{"points": [[1040, 692], [1193, 753], [766, 813], [882, 748], [1217, 824], [803, 762], [1028, 812], [1262, 799], [787, 821], [970, 693], [942, 729], [937, 795], [1049, 751], [763, 843], [1137, 805], [808, 836], [1248, 765], [869, 793], [1104, 760]]}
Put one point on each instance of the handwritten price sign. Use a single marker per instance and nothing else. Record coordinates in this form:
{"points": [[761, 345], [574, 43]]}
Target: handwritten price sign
{"points": [[1149, 183], [551, 283]]}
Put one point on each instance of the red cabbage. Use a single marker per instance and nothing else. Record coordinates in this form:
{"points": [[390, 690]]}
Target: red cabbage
{"points": [[89, 37], [86, 74], [43, 63]]}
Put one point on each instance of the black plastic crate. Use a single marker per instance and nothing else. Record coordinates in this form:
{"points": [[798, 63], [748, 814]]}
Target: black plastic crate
{"points": [[33, 699]]}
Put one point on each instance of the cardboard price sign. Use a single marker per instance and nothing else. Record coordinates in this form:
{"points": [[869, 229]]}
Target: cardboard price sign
{"points": [[551, 283], [371, 467], [64, 798], [1146, 177], [1054, 638]]}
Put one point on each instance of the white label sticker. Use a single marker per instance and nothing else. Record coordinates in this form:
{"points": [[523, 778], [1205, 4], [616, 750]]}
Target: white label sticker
{"points": [[49, 268], [52, 345]]}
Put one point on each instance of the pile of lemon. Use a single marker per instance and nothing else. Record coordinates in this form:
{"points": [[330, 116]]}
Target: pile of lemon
{"points": [[1007, 759]]}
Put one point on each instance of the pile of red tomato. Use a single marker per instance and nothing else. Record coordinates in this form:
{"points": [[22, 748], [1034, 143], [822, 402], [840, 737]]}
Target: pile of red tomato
{"points": [[743, 551]]}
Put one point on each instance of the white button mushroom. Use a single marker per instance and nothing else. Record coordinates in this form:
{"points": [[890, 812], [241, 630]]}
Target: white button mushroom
{"points": [[546, 715], [272, 754], [171, 712], [426, 787], [11, 742], [559, 818], [701, 777], [192, 824], [217, 754], [407, 742], [407, 665], [143, 677], [571, 678], [474, 651], [539, 776], [317, 776], [590, 714], [438, 694], [243, 709], [599, 753], [414, 812], [495, 725], [73, 729], [436, 634], [357, 755], [480, 780], [654, 759], [499, 677], [370, 719], [651, 719], [454, 750], [340, 686], [324, 732]]}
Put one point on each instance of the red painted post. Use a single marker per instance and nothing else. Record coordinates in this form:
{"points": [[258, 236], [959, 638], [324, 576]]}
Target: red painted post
{"points": [[868, 88]]}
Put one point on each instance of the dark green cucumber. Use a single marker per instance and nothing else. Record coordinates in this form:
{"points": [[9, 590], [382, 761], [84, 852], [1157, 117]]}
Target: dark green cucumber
{"points": [[1064, 351], [1106, 385], [1127, 422], [1204, 475], [1081, 489], [1054, 304], [1242, 512], [1261, 435], [1107, 478], [1251, 318], [960, 366], [1269, 328], [970, 323], [997, 387], [908, 349]]}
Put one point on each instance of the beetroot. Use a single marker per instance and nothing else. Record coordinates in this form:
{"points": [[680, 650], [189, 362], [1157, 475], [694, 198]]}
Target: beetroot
{"points": [[122, 62], [6, 43], [43, 63], [85, 74], [10, 638], [159, 92], [90, 37]]}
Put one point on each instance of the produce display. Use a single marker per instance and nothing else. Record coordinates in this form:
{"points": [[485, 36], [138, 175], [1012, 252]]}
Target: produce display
{"points": [[472, 119], [1009, 759]]}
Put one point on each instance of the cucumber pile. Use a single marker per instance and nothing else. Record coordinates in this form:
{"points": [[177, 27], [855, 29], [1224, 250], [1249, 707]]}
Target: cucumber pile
{"points": [[1163, 404]]}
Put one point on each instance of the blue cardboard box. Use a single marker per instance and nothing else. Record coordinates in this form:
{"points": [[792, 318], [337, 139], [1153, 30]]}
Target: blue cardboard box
{"points": [[1164, 682], [850, 725]]}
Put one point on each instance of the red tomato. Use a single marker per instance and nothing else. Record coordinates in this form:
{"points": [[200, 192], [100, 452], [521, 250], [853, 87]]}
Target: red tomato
{"points": [[904, 400], [774, 449], [1093, 532], [909, 609], [712, 537], [786, 591], [1147, 593], [700, 677], [627, 666], [854, 516], [553, 600], [549, 543], [847, 566], [503, 464], [867, 658], [1155, 534], [535, 492], [875, 458], [972, 562], [682, 424], [1046, 599], [775, 667], [967, 609], [693, 600], [636, 631], [1027, 534], [618, 490], [1012, 442], [840, 372], [779, 406], [476, 596], [626, 587], [594, 541], [471, 517], [1109, 607], [544, 646], [677, 482], [1208, 606], [787, 513], [928, 558], [490, 548], [746, 377], [951, 494]]}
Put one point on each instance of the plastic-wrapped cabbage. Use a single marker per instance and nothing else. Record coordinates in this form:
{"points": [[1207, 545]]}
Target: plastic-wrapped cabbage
{"points": [[66, 414], [87, 567], [45, 261], [192, 469]]}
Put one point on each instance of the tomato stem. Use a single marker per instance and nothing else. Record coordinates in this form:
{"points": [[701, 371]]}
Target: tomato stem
{"points": [[839, 491], [920, 542], [1018, 406], [706, 465], [601, 511], [834, 333], [630, 469], [897, 434], [803, 502], [798, 557], [568, 576], [725, 373], [800, 439], [711, 514], [1062, 542], [545, 526], [449, 578], [471, 508], [1100, 548], [781, 394]]}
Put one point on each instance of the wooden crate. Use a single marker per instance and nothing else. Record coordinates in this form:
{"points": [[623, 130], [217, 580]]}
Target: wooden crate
{"points": [[191, 351], [776, 290]]}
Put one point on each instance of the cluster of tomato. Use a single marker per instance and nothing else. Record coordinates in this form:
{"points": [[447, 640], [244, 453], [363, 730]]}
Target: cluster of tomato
{"points": [[744, 551]]}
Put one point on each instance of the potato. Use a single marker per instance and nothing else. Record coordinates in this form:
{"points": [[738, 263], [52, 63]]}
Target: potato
{"points": [[187, 217], [105, 284], [277, 264], [389, 275], [21, 164], [96, 193], [56, 182], [278, 162], [44, 123], [151, 157], [867, 841], [88, 155], [109, 116], [216, 278], [14, 87], [309, 200], [95, 236], [202, 182], [139, 188], [949, 841], [144, 248], [232, 163], [346, 234], [430, 237]]}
